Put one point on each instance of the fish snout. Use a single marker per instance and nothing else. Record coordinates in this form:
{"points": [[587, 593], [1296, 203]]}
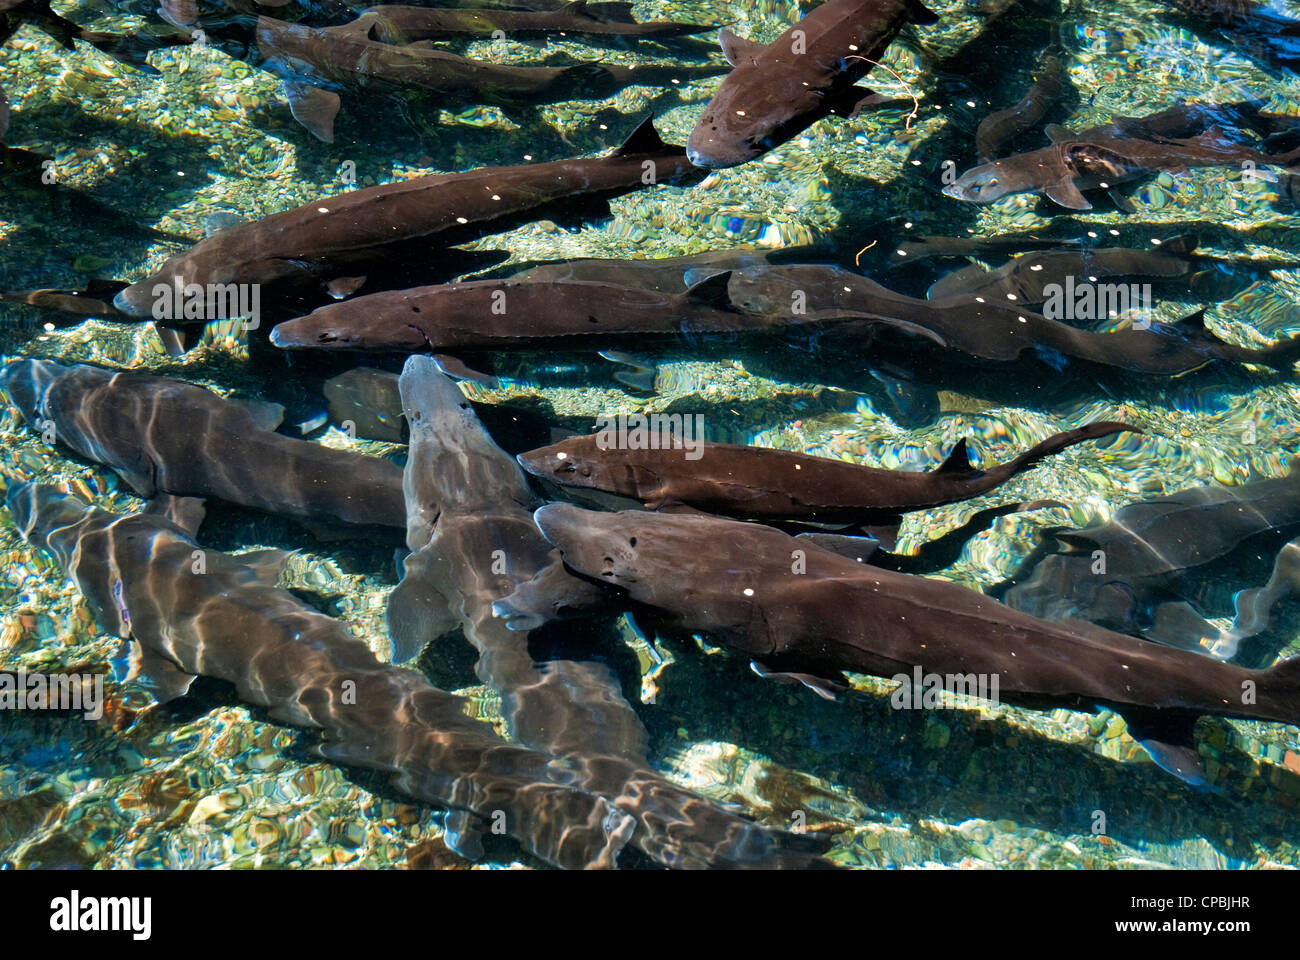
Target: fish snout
{"points": [[26, 382], [712, 152], [547, 463], [136, 300]]}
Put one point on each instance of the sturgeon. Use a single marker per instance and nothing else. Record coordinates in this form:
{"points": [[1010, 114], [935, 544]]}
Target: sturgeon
{"points": [[758, 483], [1093, 159], [473, 542], [403, 24], [316, 62], [776, 92], [345, 236], [231, 622], [513, 314], [167, 436], [802, 610]]}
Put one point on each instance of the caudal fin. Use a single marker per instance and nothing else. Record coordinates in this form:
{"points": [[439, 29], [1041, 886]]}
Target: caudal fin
{"points": [[1279, 691]]}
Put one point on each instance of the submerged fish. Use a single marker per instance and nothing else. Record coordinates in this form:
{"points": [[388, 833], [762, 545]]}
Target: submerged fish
{"points": [[996, 331], [347, 235], [168, 436], [999, 129], [404, 24], [776, 92], [473, 543], [1100, 159], [795, 608], [513, 314], [1120, 574], [759, 483], [316, 62], [231, 622]]}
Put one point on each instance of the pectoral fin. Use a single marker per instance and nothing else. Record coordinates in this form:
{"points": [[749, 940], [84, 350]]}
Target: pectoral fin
{"points": [[824, 688], [854, 100], [1067, 194], [183, 513], [1167, 735], [855, 548], [313, 107], [164, 679], [267, 565], [417, 613], [464, 833]]}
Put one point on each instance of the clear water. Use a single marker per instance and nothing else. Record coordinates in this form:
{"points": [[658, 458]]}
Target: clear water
{"points": [[213, 783]]}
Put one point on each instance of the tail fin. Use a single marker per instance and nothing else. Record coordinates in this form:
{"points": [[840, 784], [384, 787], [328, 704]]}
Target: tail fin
{"points": [[1060, 441], [1279, 693]]}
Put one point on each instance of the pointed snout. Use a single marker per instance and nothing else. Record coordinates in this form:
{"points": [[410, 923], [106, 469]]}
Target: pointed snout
{"points": [[559, 523], [26, 381]]}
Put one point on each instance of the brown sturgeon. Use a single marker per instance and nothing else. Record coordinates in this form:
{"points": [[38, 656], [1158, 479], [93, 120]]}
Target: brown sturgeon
{"points": [[315, 62], [1100, 158], [996, 331], [776, 92], [403, 24], [231, 622], [168, 436], [799, 609], [345, 235], [513, 314], [759, 483], [1149, 550], [473, 543], [999, 129]]}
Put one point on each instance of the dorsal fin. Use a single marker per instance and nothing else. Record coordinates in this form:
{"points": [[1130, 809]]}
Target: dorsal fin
{"points": [[712, 292], [183, 513], [958, 460], [738, 49], [266, 565], [1078, 540], [644, 139], [1057, 133], [1180, 245], [1193, 322]]}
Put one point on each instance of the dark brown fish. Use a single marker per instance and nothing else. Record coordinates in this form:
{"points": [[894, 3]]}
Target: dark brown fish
{"points": [[473, 543], [776, 92], [315, 62], [347, 235], [1088, 160], [1147, 552], [229, 621], [759, 483], [999, 129], [167, 436], [997, 331], [798, 609], [404, 24], [520, 314]]}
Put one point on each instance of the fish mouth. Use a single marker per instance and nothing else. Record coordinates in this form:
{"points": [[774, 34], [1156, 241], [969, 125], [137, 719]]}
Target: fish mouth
{"points": [[701, 156]]}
